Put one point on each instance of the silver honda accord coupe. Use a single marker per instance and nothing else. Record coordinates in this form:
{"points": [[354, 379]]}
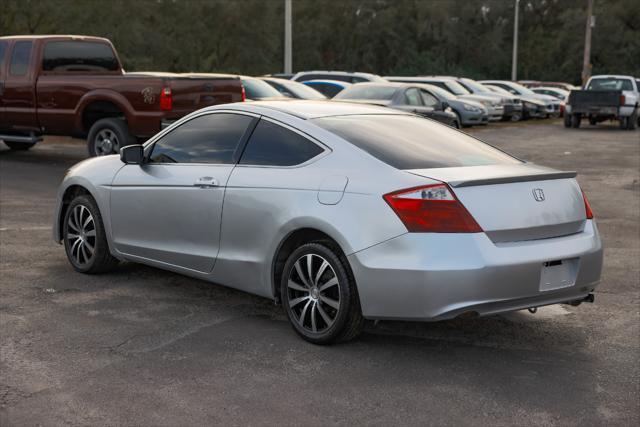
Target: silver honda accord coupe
{"points": [[340, 212]]}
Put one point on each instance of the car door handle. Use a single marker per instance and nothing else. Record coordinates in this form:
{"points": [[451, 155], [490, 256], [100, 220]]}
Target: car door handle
{"points": [[206, 182]]}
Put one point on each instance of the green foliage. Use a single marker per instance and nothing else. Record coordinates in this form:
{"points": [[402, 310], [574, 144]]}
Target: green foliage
{"points": [[463, 37]]}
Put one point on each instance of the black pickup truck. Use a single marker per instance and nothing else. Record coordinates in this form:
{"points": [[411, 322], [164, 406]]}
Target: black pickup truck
{"points": [[604, 98]]}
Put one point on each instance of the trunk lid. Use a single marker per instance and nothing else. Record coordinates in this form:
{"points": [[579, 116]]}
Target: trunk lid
{"points": [[516, 202]]}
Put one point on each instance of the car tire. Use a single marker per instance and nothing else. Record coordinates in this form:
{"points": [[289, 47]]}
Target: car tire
{"points": [[319, 294], [575, 120], [107, 136], [632, 120], [84, 237], [18, 146], [592, 121], [567, 120], [515, 117], [624, 123], [458, 121]]}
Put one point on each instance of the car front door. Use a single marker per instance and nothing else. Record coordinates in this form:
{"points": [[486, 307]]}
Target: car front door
{"points": [[411, 101], [168, 209]]}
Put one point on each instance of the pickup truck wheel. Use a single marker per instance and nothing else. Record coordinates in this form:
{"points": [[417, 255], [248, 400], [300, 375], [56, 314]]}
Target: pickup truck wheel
{"points": [[575, 120], [632, 120], [18, 146], [592, 121], [624, 123], [567, 120], [107, 136]]}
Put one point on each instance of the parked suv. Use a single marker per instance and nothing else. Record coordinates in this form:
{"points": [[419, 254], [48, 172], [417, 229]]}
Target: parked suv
{"points": [[343, 76], [75, 86]]}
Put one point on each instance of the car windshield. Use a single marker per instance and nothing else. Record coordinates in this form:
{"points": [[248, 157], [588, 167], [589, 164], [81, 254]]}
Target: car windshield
{"points": [[367, 91], [521, 89], [409, 142], [299, 89], [610, 83], [456, 88], [475, 86], [256, 89], [438, 91]]}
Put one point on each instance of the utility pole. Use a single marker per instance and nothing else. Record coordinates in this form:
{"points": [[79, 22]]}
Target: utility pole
{"points": [[586, 60], [287, 36], [514, 58]]}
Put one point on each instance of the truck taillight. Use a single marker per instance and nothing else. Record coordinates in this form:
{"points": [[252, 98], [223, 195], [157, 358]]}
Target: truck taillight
{"points": [[166, 99], [587, 207], [244, 93], [431, 209], [622, 100]]}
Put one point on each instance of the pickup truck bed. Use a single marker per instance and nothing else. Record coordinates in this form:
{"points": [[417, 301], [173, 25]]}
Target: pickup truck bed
{"points": [[75, 85]]}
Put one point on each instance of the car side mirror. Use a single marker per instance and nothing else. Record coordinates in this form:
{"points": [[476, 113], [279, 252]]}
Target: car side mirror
{"points": [[132, 154], [445, 105]]}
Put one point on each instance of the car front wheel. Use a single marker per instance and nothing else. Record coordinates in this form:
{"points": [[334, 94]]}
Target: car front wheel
{"points": [[319, 294], [84, 237]]}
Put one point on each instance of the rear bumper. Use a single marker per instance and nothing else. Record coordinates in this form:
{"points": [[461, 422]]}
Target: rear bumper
{"points": [[438, 276]]}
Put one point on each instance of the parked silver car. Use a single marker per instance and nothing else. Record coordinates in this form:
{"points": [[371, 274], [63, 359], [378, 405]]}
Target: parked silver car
{"points": [[341, 212]]}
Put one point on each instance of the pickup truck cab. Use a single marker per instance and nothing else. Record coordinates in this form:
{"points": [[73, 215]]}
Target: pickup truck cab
{"points": [[605, 97], [75, 86]]}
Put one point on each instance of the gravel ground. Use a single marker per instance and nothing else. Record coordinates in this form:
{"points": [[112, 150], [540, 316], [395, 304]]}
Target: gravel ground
{"points": [[146, 347]]}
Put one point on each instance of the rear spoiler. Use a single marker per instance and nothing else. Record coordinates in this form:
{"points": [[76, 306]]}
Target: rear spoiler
{"points": [[543, 176]]}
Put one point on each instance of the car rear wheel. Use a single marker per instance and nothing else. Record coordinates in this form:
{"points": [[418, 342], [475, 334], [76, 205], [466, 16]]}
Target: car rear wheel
{"points": [[107, 136], [624, 122], [632, 120], [18, 146], [575, 120], [84, 237], [319, 294]]}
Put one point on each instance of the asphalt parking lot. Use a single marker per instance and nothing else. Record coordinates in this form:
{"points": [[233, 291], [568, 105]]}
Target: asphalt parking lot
{"points": [[147, 347]]}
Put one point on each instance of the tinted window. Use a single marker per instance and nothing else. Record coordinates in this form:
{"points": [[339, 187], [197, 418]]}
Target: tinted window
{"points": [[257, 89], [78, 56], [20, 58], [610, 83], [428, 99], [366, 91], [273, 145], [412, 97], [408, 142], [328, 89], [212, 138], [3, 48]]}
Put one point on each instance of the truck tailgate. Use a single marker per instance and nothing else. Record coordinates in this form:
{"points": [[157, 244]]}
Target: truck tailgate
{"points": [[194, 91]]}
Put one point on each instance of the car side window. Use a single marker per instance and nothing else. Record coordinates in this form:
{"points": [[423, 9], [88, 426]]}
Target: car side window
{"points": [[3, 48], [274, 145], [428, 99], [20, 58], [211, 138], [412, 97]]}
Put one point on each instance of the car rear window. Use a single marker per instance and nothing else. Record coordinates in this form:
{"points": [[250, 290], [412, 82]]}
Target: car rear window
{"points": [[257, 89], [367, 92], [78, 56], [610, 83], [409, 142]]}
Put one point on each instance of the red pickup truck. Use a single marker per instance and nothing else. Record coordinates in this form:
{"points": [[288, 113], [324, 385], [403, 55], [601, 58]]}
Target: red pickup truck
{"points": [[75, 86]]}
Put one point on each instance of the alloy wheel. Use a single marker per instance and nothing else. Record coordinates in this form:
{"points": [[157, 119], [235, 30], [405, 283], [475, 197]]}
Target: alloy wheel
{"points": [[313, 292], [106, 142], [81, 234]]}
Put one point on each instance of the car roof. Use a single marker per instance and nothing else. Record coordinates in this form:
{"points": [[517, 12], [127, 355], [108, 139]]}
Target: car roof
{"points": [[410, 79], [612, 76], [337, 73], [304, 109], [331, 82], [55, 37]]}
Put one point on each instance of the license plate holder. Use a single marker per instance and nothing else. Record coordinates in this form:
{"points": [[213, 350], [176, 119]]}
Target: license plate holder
{"points": [[558, 274]]}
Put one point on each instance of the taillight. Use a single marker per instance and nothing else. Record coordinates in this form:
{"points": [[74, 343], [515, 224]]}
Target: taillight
{"points": [[622, 100], [587, 206], [244, 93], [431, 209], [166, 99]]}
